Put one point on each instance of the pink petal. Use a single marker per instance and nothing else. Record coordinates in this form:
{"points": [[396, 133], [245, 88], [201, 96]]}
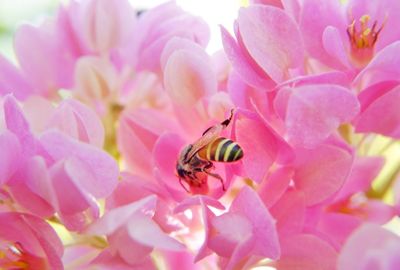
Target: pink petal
{"points": [[38, 112], [261, 147], [109, 261], [338, 226], [333, 44], [315, 16], [10, 156], [243, 64], [380, 112], [272, 39], [370, 244], [321, 172], [101, 165], [271, 190], [117, 217], [145, 231], [364, 171], [298, 252], [314, 112], [248, 204], [383, 67], [12, 81], [289, 212], [188, 78]]}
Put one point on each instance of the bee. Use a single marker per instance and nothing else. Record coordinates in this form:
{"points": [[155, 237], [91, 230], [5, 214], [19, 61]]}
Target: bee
{"points": [[196, 160]]}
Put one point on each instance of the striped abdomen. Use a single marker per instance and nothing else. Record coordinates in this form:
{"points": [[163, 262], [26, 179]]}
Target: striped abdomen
{"points": [[221, 150]]}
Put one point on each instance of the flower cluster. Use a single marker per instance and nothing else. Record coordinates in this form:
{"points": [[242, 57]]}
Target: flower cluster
{"points": [[106, 103]]}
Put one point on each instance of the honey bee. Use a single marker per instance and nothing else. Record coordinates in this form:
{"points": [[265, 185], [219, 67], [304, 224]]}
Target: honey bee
{"points": [[195, 159]]}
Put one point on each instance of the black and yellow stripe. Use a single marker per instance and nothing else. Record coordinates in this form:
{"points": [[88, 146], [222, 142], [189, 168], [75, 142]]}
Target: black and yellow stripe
{"points": [[221, 150]]}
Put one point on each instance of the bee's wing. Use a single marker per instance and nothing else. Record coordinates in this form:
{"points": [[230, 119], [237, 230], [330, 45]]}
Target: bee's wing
{"points": [[210, 135]]}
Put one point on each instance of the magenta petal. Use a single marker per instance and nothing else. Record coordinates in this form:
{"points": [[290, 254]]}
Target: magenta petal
{"points": [[272, 39], [299, 252], [103, 167], [12, 81], [10, 155], [315, 111], [321, 172], [249, 204], [333, 44], [145, 231], [380, 111], [188, 78], [370, 245]]}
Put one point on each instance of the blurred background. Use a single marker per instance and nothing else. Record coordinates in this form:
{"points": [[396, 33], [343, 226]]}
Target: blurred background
{"points": [[15, 12]]}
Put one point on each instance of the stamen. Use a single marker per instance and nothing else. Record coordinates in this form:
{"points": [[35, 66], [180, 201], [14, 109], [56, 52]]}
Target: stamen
{"points": [[362, 38]]}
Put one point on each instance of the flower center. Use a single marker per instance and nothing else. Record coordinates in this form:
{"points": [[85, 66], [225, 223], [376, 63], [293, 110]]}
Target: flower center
{"points": [[362, 39], [11, 256]]}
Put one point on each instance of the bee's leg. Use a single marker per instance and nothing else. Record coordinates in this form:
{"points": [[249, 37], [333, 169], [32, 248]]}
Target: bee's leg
{"points": [[226, 122], [180, 182], [209, 165], [218, 177]]}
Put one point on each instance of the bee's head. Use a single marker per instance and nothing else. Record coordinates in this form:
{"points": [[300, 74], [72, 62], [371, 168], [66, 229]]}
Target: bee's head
{"points": [[180, 170]]}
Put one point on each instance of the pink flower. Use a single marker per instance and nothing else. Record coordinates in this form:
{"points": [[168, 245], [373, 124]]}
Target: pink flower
{"points": [[28, 242], [370, 247], [55, 167], [132, 233]]}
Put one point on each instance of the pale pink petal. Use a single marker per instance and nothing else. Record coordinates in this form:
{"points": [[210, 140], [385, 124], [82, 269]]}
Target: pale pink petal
{"points": [[17, 124], [249, 204], [10, 155], [38, 112], [315, 16], [275, 185], [243, 64], [188, 78], [12, 81], [241, 250], [146, 232], [120, 216], [272, 39], [370, 243], [376, 211], [313, 112], [74, 118], [179, 43], [382, 114], [299, 252], [103, 167], [198, 200], [383, 67], [103, 25], [108, 261], [32, 45], [230, 230], [321, 172]]}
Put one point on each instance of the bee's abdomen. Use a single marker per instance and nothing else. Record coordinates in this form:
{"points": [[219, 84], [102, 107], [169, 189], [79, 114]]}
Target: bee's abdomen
{"points": [[221, 150]]}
